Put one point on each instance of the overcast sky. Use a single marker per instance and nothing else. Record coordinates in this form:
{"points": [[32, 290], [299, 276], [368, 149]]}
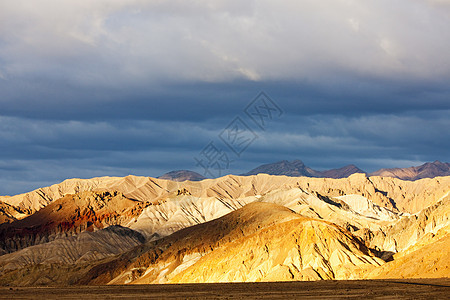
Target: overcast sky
{"points": [[117, 87]]}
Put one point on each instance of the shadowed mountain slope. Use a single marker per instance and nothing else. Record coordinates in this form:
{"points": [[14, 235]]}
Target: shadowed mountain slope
{"points": [[343, 172], [87, 246], [182, 175], [427, 170], [297, 168]]}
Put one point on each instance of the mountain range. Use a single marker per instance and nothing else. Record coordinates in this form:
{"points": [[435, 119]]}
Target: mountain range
{"points": [[140, 230], [427, 170], [297, 168]]}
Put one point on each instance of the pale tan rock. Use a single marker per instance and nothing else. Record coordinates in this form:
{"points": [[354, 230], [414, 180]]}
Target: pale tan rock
{"points": [[255, 228], [429, 258], [270, 243], [406, 196]]}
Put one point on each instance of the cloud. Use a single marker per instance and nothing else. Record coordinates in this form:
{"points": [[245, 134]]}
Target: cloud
{"points": [[106, 42], [90, 88]]}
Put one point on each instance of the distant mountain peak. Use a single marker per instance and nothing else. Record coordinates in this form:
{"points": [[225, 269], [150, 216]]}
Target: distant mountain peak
{"points": [[182, 175], [342, 172], [297, 168], [426, 170]]}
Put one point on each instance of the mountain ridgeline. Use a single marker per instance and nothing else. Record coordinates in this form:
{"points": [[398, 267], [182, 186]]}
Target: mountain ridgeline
{"points": [[427, 170], [144, 230], [297, 168]]}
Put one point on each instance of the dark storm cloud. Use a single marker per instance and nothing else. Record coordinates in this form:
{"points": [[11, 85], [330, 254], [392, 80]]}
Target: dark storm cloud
{"points": [[206, 101], [93, 88], [372, 141]]}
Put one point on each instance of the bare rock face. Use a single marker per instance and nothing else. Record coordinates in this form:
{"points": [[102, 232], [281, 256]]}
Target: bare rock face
{"points": [[9, 213], [401, 235], [183, 211], [365, 207], [70, 215], [391, 193], [40, 198], [428, 258]]}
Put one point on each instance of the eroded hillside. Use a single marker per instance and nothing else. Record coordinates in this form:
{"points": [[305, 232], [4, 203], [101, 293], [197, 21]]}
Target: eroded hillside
{"points": [[254, 228]]}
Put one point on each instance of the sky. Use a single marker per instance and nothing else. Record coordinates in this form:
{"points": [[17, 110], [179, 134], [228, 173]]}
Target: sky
{"points": [[114, 87]]}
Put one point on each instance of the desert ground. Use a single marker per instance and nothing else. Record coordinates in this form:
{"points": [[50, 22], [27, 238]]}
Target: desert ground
{"points": [[350, 289]]}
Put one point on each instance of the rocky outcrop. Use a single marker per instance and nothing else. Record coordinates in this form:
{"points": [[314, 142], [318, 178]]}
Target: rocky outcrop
{"points": [[401, 235], [428, 258], [70, 215], [9, 213]]}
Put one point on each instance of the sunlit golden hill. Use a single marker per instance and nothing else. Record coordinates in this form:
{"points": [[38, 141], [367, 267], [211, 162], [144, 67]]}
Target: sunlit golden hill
{"points": [[235, 228]]}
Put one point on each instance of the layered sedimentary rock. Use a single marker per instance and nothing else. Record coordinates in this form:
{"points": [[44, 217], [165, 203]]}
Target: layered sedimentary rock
{"points": [[70, 215]]}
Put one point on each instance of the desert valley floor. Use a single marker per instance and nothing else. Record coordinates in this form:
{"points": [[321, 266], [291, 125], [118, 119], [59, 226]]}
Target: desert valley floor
{"points": [[357, 289]]}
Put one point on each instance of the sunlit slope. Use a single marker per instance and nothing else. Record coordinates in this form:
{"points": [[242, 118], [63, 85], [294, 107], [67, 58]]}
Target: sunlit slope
{"points": [[255, 228], [404, 196], [429, 258], [261, 241]]}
